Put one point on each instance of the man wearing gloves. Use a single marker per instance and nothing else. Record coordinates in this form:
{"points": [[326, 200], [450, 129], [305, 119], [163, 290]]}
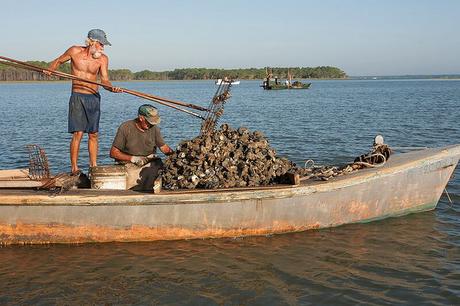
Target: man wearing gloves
{"points": [[135, 145]]}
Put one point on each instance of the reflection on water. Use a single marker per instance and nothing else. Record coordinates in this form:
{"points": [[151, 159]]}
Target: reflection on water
{"points": [[413, 259]]}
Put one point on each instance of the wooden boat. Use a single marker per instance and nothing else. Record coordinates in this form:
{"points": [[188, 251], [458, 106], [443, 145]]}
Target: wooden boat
{"points": [[407, 183], [278, 86], [272, 83]]}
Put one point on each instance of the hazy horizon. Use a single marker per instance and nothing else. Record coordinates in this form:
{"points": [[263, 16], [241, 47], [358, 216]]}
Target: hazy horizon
{"points": [[363, 38]]}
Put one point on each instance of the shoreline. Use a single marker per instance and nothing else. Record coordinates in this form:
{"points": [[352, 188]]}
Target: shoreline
{"points": [[212, 80], [134, 81]]}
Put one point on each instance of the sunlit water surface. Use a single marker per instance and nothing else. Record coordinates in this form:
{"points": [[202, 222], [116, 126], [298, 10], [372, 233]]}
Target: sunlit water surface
{"points": [[411, 260]]}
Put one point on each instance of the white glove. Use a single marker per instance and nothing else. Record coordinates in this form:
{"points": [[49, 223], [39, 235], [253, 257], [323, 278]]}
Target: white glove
{"points": [[139, 160]]}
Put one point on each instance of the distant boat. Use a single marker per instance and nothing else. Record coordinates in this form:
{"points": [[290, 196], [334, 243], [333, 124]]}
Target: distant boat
{"points": [[272, 83], [268, 85], [219, 81]]}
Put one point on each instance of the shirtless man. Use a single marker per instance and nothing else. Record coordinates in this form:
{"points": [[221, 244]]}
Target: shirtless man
{"points": [[84, 106]]}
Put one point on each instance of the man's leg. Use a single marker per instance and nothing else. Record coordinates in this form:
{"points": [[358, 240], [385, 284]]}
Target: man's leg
{"points": [[143, 178], [74, 150], [93, 148]]}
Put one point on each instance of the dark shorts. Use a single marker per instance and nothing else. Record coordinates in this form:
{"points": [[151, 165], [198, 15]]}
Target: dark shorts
{"points": [[84, 112]]}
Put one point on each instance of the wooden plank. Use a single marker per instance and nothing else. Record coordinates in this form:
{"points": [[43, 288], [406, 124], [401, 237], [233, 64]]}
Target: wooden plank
{"points": [[218, 190], [14, 173], [24, 183]]}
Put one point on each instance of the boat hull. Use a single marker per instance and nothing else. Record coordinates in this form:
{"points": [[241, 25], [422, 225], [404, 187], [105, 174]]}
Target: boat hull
{"points": [[409, 183], [280, 87]]}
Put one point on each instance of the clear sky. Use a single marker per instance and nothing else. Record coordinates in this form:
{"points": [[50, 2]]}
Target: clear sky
{"points": [[362, 37]]}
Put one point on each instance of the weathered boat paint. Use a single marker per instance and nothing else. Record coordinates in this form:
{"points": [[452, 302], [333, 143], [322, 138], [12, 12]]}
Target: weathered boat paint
{"points": [[408, 183]]}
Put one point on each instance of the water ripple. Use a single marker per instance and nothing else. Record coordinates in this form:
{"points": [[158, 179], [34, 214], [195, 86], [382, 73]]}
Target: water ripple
{"points": [[409, 260]]}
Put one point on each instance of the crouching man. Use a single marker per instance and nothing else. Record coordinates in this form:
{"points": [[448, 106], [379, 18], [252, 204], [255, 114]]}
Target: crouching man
{"points": [[135, 146]]}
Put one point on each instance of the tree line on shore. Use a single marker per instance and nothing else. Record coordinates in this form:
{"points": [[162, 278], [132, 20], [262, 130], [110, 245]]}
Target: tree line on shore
{"points": [[8, 73]]}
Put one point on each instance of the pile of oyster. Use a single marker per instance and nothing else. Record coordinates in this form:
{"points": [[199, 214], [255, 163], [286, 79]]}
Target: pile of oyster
{"points": [[225, 159]]}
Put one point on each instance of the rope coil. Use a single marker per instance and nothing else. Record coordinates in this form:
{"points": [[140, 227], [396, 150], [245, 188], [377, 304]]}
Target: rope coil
{"points": [[376, 158]]}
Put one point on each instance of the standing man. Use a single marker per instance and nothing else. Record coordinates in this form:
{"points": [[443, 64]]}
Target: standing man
{"points": [[135, 145], [87, 62]]}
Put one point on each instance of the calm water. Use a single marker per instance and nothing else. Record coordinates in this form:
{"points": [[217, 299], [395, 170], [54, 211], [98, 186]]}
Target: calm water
{"points": [[411, 260]]}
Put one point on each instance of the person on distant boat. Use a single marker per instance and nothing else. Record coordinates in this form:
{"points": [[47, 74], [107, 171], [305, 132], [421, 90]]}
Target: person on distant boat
{"points": [[135, 145], [86, 62]]}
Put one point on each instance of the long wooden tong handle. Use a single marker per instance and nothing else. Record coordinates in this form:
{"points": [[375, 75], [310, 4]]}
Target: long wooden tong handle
{"points": [[160, 100]]}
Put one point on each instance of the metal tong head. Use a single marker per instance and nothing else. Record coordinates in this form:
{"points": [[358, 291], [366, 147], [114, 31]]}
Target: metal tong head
{"points": [[216, 107], [38, 163]]}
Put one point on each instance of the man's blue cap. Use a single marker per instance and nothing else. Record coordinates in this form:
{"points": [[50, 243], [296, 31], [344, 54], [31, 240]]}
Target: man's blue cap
{"points": [[99, 35]]}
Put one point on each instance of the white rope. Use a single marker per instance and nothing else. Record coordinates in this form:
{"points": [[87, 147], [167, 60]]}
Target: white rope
{"points": [[309, 161]]}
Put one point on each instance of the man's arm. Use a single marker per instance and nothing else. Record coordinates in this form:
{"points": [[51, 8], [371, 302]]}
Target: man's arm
{"points": [[138, 160], [119, 155], [105, 76], [120, 142], [166, 149], [66, 56]]}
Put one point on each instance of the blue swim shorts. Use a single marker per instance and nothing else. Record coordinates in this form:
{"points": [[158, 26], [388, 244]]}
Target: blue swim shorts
{"points": [[84, 112]]}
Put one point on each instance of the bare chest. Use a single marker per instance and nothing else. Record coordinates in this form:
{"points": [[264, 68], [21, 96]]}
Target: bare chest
{"points": [[84, 64]]}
